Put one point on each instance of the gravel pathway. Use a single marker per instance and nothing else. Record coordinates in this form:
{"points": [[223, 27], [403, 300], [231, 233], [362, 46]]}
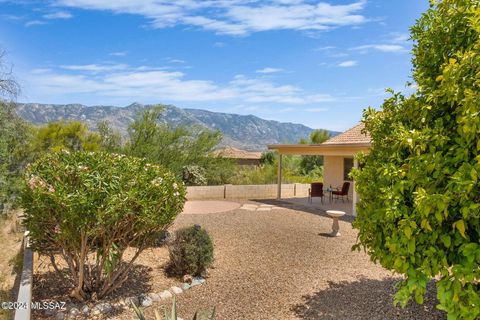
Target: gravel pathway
{"points": [[279, 264]]}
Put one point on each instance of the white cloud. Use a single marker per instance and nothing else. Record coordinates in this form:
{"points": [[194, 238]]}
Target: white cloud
{"points": [[269, 70], [234, 17], [324, 48], [95, 67], [173, 60], [58, 15], [118, 53], [380, 47], [32, 23], [122, 82], [40, 70], [347, 64]]}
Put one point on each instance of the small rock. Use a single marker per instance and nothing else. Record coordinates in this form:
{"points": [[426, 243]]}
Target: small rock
{"points": [[176, 290], [102, 308], [60, 316], [49, 312], [186, 286], [165, 294], [74, 312], [130, 300], [85, 310], [146, 301], [155, 297], [197, 281]]}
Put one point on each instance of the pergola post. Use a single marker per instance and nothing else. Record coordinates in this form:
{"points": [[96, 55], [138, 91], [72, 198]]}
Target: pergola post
{"points": [[279, 177], [354, 192]]}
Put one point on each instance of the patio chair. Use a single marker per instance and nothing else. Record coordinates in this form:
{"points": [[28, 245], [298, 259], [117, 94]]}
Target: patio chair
{"points": [[341, 194], [316, 190]]}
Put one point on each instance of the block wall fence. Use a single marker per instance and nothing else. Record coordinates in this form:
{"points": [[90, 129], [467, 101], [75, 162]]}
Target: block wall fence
{"points": [[261, 191]]}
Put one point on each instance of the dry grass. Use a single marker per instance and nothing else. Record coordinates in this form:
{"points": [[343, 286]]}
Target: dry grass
{"points": [[10, 260], [275, 265]]}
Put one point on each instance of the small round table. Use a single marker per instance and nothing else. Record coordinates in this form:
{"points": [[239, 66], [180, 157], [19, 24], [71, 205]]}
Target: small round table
{"points": [[335, 214]]}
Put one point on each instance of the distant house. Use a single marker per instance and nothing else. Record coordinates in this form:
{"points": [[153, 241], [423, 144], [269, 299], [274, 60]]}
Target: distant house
{"points": [[338, 153], [242, 157]]}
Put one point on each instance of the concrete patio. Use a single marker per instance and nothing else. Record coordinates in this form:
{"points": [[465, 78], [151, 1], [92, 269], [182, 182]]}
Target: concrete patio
{"points": [[323, 207]]}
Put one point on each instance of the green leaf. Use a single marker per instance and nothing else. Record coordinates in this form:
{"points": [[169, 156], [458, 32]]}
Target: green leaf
{"points": [[460, 225], [407, 231], [426, 225], [411, 246], [446, 240]]}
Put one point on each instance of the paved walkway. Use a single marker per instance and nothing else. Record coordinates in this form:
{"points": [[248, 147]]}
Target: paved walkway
{"points": [[209, 206], [259, 207]]}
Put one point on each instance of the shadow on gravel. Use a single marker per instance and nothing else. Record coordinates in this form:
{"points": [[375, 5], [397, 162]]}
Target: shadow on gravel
{"points": [[299, 207], [365, 299], [50, 286]]}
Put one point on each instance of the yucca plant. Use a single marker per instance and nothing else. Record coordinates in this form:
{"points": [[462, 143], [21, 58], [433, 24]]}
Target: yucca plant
{"points": [[172, 314]]}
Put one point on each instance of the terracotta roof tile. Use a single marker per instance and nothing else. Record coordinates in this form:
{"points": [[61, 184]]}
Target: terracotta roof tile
{"points": [[351, 136]]}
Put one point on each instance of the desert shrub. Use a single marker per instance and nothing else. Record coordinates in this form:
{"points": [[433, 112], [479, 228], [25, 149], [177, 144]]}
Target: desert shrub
{"points": [[194, 175], [15, 136], [89, 207], [191, 251], [419, 185], [175, 147]]}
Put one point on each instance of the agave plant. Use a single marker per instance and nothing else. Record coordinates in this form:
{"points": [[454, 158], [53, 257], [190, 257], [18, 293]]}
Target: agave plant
{"points": [[172, 314]]}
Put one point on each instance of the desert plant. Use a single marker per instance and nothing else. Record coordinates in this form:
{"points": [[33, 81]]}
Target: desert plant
{"points": [[172, 314], [191, 251], [90, 207], [194, 175], [419, 185], [15, 136], [175, 147]]}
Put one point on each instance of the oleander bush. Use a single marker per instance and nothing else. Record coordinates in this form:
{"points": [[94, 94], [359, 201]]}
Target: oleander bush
{"points": [[191, 251], [88, 208], [419, 213]]}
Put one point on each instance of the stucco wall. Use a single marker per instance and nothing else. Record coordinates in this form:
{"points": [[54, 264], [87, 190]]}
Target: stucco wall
{"points": [[333, 173]]}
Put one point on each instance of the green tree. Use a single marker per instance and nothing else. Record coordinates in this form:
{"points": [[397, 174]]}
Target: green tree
{"points": [[72, 136], [14, 141], [419, 213], [177, 147], [110, 139], [313, 163]]}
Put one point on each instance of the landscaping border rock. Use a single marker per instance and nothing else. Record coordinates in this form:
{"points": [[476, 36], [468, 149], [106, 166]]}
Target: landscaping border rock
{"points": [[145, 300]]}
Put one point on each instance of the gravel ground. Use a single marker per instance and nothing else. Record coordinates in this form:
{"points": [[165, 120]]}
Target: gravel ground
{"points": [[276, 264]]}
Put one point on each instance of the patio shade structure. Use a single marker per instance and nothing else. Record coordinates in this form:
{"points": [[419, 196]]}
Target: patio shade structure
{"points": [[338, 153]]}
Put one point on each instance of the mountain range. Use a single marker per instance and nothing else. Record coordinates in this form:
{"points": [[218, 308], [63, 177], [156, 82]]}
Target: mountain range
{"points": [[246, 132]]}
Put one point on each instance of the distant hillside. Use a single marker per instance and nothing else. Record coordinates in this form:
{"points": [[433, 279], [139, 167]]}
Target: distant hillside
{"points": [[244, 132]]}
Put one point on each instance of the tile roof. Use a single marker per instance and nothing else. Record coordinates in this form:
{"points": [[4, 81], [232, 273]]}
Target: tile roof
{"points": [[351, 136], [234, 153]]}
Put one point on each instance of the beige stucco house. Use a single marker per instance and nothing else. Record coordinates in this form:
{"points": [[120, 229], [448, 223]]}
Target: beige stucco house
{"points": [[338, 153]]}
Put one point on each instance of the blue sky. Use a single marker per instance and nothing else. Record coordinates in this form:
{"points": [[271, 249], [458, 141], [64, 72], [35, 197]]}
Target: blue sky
{"points": [[319, 63]]}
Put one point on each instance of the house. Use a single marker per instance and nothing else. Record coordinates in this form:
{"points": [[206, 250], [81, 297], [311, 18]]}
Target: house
{"points": [[338, 153], [242, 157]]}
